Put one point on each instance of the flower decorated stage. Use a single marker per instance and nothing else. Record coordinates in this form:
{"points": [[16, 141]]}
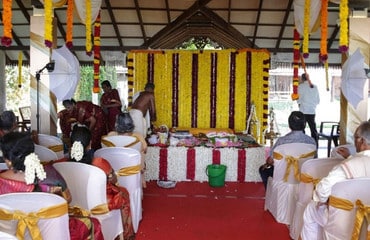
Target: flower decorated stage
{"points": [[204, 89]]}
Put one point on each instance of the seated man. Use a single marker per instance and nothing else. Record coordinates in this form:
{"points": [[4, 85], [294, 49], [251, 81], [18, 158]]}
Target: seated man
{"points": [[297, 124], [315, 214]]}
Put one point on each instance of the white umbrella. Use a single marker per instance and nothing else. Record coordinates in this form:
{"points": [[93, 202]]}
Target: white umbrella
{"points": [[354, 78], [66, 74]]}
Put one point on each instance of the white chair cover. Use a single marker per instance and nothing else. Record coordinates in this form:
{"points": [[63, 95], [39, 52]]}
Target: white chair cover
{"points": [[32, 202], [45, 154], [312, 171], [3, 166], [7, 236], [335, 154], [53, 143], [88, 187], [281, 193], [120, 158], [341, 222]]}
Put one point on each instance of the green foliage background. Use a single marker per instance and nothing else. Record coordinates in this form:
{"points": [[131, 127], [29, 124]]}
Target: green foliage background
{"points": [[20, 96]]}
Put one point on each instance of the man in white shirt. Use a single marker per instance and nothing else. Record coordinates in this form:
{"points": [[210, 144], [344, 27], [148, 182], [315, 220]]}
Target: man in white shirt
{"points": [[308, 100], [358, 165]]}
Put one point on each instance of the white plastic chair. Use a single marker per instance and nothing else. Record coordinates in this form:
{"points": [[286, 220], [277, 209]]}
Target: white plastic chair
{"points": [[53, 143], [52, 210], [340, 224], [312, 171], [45, 154], [282, 188], [126, 164], [119, 141], [88, 188], [7, 236]]}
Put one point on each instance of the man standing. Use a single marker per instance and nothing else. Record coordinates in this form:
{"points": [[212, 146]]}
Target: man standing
{"points": [[142, 104], [309, 98], [315, 214]]}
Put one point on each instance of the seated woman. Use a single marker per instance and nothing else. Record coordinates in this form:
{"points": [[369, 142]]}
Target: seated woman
{"points": [[27, 174], [125, 126], [118, 197]]}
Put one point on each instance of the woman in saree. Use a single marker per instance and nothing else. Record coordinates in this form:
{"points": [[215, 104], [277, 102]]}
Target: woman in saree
{"points": [[91, 115], [110, 103], [25, 173], [117, 196]]}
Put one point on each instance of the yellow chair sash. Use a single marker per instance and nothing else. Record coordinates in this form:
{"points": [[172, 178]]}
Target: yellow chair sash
{"points": [[56, 148], [292, 162], [127, 171], [30, 220], [363, 211], [107, 143], [110, 144], [307, 178], [97, 210]]}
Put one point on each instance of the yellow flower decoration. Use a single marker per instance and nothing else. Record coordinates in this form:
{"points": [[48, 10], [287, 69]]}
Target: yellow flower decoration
{"points": [[6, 40], [343, 17], [88, 27], [306, 27], [48, 35]]}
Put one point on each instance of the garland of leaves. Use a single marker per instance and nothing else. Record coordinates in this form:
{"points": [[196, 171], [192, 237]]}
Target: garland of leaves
{"points": [[6, 40]]}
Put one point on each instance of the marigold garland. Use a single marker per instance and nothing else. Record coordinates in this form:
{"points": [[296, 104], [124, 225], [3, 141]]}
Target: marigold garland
{"points": [[6, 40], [69, 33], [96, 88], [306, 27], [343, 17], [48, 35], [20, 69], [296, 57], [88, 27], [324, 31]]}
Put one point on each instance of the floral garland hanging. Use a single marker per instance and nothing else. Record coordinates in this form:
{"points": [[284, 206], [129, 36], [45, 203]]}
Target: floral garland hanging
{"points": [[6, 40], [343, 17], [306, 27], [296, 58], [20, 69], [96, 88], [69, 33], [88, 27], [324, 31], [48, 35]]}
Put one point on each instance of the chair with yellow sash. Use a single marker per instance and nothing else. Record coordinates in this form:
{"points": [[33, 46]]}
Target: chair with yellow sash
{"points": [[120, 141], [34, 215], [45, 154], [312, 171], [282, 188], [87, 185], [126, 162], [53, 143], [349, 210]]}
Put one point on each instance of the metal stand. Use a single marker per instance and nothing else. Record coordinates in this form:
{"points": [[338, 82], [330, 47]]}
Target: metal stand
{"points": [[50, 67]]}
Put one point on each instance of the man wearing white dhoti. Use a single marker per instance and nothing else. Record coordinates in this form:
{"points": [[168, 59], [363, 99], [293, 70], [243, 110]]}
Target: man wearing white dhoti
{"points": [[315, 214], [143, 107]]}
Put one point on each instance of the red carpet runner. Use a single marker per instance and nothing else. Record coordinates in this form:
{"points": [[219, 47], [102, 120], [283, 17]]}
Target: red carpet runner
{"points": [[194, 210]]}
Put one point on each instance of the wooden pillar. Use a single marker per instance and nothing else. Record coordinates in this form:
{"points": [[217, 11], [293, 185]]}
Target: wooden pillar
{"points": [[42, 100]]}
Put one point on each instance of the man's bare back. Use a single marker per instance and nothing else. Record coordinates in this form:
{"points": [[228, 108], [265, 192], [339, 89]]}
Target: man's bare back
{"points": [[146, 102]]}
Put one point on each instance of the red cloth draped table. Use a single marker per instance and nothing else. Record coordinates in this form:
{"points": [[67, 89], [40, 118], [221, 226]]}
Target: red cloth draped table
{"points": [[190, 164]]}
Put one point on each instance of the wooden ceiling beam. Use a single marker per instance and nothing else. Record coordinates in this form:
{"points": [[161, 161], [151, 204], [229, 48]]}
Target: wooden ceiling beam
{"points": [[283, 25]]}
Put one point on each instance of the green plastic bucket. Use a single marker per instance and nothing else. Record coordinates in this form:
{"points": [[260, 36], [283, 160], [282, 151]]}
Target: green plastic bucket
{"points": [[216, 175]]}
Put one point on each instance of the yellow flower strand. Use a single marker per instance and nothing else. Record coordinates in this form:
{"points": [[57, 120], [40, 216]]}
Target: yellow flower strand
{"points": [[88, 27], [306, 27], [343, 17], [20, 61], [48, 35], [324, 31]]}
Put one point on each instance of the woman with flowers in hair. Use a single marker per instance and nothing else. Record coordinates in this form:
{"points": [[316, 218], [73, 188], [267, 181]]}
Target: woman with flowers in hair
{"points": [[117, 196], [25, 173]]}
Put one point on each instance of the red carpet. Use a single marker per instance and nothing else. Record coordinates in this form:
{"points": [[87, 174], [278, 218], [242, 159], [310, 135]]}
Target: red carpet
{"points": [[194, 210]]}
